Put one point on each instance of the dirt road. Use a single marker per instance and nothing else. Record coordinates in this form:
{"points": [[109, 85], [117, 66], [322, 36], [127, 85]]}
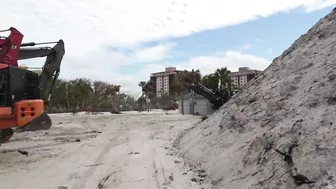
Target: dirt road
{"points": [[98, 151]]}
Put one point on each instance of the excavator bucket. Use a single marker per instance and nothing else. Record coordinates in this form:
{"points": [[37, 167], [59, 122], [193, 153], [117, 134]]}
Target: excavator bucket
{"points": [[43, 122]]}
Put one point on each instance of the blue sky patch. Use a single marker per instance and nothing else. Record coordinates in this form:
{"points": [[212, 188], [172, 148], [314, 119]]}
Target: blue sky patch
{"points": [[265, 37]]}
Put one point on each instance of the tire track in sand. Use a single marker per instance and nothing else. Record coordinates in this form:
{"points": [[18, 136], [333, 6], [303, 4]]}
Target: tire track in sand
{"points": [[116, 141]]}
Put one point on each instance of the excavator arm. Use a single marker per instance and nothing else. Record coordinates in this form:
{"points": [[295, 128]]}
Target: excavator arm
{"points": [[51, 67]]}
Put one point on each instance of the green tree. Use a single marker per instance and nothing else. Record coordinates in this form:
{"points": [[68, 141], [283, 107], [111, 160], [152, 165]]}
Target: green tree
{"points": [[166, 101], [223, 75], [83, 93], [80, 92], [147, 89], [181, 83], [220, 76], [193, 77], [127, 102], [58, 99], [210, 81]]}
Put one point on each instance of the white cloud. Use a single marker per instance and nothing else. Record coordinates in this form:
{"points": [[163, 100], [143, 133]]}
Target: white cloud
{"points": [[314, 5], [155, 53], [230, 59], [87, 27], [85, 24]]}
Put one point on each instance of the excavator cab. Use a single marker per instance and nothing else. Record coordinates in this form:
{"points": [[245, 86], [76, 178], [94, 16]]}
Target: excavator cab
{"points": [[23, 92]]}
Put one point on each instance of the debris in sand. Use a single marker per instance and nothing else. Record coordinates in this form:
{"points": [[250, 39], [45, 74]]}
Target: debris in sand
{"points": [[201, 173], [171, 178], [137, 180], [73, 140], [207, 134], [102, 182], [23, 152], [263, 181], [67, 139], [299, 179], [130, 153], [267, 148], [204, 117], [93, 165]]}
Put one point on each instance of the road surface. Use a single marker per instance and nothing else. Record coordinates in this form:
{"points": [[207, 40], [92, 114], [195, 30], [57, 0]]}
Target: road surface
{"points": [[127, 151]]}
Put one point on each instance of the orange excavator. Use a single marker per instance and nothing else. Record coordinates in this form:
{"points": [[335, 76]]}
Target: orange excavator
{"points": [[23, 93]]}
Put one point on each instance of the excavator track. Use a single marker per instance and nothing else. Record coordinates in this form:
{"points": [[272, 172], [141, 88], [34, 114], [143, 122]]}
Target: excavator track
{"points": [[5, 135], [43, 122]]}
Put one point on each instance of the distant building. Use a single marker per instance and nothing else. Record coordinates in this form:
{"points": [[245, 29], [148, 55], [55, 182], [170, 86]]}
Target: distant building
{"points": [[243, 76], [163, 80]]}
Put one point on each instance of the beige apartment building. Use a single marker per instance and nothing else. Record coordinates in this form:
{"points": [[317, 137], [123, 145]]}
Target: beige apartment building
{"points": [[163, 80], [244, 75]]}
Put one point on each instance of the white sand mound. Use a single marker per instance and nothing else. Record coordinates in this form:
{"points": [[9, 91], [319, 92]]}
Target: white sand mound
{"points": [[280, 131]]}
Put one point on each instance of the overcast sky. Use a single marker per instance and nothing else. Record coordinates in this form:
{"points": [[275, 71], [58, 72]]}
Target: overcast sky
{"points": [[122, 42]]}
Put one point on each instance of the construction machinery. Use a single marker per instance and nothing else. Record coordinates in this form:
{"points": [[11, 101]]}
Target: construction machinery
{"points": [[24, 93], [217, 97]]}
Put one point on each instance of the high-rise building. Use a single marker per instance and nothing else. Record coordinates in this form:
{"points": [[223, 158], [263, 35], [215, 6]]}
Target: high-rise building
{"points": [[163, 80], [243, 76]]}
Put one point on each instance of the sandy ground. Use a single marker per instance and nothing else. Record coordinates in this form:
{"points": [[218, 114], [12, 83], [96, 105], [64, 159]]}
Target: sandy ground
{"points": [[131, 151]]}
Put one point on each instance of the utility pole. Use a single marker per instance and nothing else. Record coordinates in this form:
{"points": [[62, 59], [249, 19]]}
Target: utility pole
{"points": [[182, 95], [192, 102], [67, 94]]}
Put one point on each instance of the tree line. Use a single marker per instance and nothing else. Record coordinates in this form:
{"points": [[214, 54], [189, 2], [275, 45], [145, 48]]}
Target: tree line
{"points": [[83, 94]]}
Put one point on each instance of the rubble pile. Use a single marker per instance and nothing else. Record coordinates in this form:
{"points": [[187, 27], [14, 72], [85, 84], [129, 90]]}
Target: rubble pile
{"points": [[280, 132]]}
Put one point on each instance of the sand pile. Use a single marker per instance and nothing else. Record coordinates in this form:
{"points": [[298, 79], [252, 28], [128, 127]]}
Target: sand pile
{"points": [[280, 132]]}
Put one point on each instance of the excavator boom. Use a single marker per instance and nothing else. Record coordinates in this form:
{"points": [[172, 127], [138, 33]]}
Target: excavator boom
{"points": [[52, 65]]}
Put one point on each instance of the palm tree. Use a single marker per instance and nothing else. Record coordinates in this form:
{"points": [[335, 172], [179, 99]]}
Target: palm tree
{"points": [[112, 91], [148, 88], [141, 100], [195, 76], [179, 88], [142, 84], [210, 81], [223, 75]]}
